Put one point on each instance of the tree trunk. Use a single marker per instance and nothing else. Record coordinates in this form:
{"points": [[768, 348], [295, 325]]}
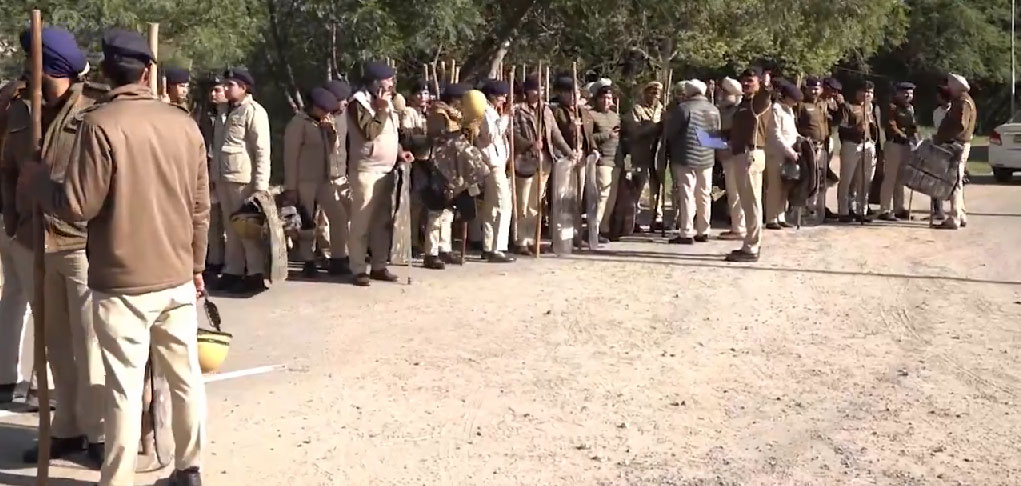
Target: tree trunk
{"points": [[291, 88], [497, 62], [481, 60]]}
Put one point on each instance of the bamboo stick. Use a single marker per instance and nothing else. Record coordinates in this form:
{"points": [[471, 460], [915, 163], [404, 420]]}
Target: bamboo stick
{"points": [[510, 136], [154, 32]]}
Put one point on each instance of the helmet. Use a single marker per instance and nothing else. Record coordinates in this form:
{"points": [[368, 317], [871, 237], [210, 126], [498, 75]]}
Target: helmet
{"points": [[291, 218], [212, 345], [473, 108], [249, 221]]}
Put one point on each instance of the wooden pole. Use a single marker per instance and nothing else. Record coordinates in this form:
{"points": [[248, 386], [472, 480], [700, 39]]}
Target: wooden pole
{"points": [[453, 70], [539, 186], [443, 71], [580, 190], [38, 288], [154, 33], [510, 136], [436, 81], [661, 175]]}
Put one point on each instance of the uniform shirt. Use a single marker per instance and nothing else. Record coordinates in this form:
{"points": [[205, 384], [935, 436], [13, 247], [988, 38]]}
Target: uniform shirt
{"points": [[60, 125], [783, 129], [750, 123], [412, 121], [138, 175], [813, 120], [565, 118], [606, 135], [641, 130], [529, 128], [900, 124], [853, 122], [309, 149], [492, 139], [374, 139], [242, 151], [959, 123]]}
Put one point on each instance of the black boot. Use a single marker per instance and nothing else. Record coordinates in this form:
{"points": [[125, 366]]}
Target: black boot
{"points": [[384, 275], [340, 266], [96, 452], [433, 262], [227, 282], [59, 448], [310, 270], [7, 392], [448, 258], [187, 477]]}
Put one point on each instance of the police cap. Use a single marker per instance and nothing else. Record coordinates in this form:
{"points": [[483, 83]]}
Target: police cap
{"points": [[239, 74], [120, 43], [176, 75], [323, 99]]}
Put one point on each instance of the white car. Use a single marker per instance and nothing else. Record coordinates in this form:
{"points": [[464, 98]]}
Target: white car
{"points": [[1005, 150]]}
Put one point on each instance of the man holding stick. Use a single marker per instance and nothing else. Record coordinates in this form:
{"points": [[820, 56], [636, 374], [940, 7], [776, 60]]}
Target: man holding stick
{"points": [[493, 142], [69, 334], [147, 245], [642, 128]]}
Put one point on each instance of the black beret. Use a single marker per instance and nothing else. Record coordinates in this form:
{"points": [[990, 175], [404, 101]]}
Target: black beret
{"points": [[564, 83], [375, 71], [455, 90], [495, 87], [812, 82], [340, 89], [603, 90], [833, 84], [119, 43], [420, 86], [239, 74], [789, 90], [532, 83], [751, 72], [905, 86], [323, 99], [214, 79], [176, 75]]}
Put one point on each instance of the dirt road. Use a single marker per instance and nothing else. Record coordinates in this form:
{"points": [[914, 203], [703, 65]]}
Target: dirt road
{"points": [[885, 354]]}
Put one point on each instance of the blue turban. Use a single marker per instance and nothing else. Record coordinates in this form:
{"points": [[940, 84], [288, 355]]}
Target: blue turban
{"points": [[61, 56]]}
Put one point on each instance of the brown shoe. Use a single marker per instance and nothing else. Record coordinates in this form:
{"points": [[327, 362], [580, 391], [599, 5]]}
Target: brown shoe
{"points": [[362, 280], [741, 256], [433, 262], [731, 236], [383, 275]]}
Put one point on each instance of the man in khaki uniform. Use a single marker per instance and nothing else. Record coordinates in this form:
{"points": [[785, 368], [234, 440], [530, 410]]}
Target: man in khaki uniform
{"points": [[642, 128], [375, 148], [177, 80], [241, 166], [901, 130], [70, 337], [493, 141], [311, 169], [216, 113], [147, 247], [747, 147], [958, 126], [413, 136]]}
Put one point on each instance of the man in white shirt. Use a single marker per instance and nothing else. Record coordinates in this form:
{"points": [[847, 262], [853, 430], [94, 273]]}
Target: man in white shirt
{"points": [[782, 136], [492, 141]]}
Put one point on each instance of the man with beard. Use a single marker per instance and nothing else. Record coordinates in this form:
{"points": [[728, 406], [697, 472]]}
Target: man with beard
{"points": [[958, 126]]}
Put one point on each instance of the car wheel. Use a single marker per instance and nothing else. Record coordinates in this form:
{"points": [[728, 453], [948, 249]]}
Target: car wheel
{"points": [[1002, 175]]}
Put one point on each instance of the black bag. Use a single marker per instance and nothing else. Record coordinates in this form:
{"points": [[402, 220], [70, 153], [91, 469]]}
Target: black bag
{"points": [[790, 170], [435, 193]]}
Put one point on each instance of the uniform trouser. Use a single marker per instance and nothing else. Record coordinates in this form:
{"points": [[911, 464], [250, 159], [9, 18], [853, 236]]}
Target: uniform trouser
{"points": [[749, 168], [528, 205], [331, 197], [776, 193], [497, 207], [371, 201], [217, 243], [72, 347], [128, 326], [243, 256], [891, 197], [732, 166], [957, 211], [606, 183], [694, 199], [438, 227], [16, 264], [851, 155]]}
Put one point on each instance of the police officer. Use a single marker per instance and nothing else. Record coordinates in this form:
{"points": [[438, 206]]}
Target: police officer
{"points": [[493, 142], [728, 103], [69, 332], [177, 80], [241, 166], [958, 126], [212, 112], [747, 143], [856, 126], [641, 131], [138, 176], [339, 251], [310, 169], [812, 117], [901, 131]]}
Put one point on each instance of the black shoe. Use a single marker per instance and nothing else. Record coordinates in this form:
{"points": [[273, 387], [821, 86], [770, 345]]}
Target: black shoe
{"points": [[603, 240], [96, 452], [447, 257], [742, 256], [58, 448], [906, 215], [524, 250], [227, 281], [475, 245], [187, 477], [847, 218], [701, 238], [339, 266], [681, 240], [774, 226], [416, 252], [383, 275], [500, 257], [864, 219], [362, 280], [433, 262], [784, 224], [250, 285], [215, 268], [887, 217], [831, 214], [310, 270], [7, 392]]}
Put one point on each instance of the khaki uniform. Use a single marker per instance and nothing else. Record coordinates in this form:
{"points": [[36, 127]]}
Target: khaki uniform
{"points": [[730, 171], [315, 168], [374, 151], [70, 336], [16, 265], [413, 122], [241, 165], [147, 240], [747, 144], [958, 126], [642, 128], [570, 174], [529, 129], [606, 135], [857, 146], [217, 236], [901, 128]]}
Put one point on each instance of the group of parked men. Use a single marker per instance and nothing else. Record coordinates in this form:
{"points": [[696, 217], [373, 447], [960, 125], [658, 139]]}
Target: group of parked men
{"points": [[147, 183]]}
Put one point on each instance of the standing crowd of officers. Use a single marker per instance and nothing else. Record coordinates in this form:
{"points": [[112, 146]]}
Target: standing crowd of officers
{"points": [[153, 189]]}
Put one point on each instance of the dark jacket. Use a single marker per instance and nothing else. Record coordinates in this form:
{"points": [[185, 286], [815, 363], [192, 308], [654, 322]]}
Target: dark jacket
{"points": [[680, 130], [749, 130], [565, 120], [900, 123], [959, 124], [606, 134]]}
